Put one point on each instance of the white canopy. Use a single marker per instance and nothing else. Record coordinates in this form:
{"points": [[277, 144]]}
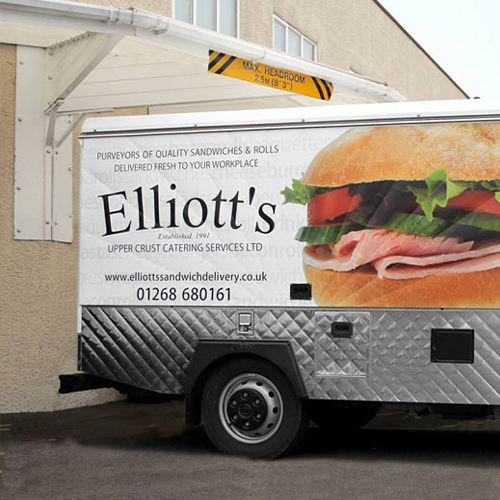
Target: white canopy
{"points": [[136, 58]]}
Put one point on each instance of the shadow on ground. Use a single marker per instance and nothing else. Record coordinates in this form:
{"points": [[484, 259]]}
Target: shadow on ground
{"points": [[160, 428]]}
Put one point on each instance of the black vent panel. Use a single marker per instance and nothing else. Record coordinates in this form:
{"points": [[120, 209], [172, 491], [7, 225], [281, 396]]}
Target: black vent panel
{"points": [[452, 346]]}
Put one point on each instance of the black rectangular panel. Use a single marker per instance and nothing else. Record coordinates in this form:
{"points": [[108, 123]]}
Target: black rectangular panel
{"points": [[300, 291], [452, 345], [341, 330]]}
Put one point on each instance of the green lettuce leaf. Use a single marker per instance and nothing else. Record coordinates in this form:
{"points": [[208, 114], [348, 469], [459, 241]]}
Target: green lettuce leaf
{"points": [[493, 185], [438, 191], [301, 193]]}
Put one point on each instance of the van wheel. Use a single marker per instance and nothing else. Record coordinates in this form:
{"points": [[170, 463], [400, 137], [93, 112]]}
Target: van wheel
{"points": [[249, 408], [341, 416]]}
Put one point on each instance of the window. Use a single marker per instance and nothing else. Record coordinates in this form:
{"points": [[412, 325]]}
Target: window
{"points": [[288, 39], [217, 15]]}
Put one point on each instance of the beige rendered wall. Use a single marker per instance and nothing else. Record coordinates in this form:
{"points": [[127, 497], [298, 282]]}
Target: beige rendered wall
{"points": [[38, 292], [162, 7]]}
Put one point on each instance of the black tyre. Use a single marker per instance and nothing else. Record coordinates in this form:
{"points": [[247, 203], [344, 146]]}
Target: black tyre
{"points": [[341, 416], [250, 408]]}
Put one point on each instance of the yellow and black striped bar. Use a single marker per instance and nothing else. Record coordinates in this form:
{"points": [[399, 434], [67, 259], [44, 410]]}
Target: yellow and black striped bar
{"points": [[269, 76]]}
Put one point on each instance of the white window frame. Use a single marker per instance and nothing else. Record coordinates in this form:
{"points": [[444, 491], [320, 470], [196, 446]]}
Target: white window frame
{"points": [[217, 16], [277, 19]]}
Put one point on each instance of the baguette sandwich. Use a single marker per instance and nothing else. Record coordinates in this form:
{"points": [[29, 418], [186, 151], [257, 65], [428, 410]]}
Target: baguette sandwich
{"points": [[404, 216]]}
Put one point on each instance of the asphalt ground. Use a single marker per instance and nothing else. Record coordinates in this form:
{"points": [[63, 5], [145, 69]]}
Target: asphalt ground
{"points": [[143, 451]]}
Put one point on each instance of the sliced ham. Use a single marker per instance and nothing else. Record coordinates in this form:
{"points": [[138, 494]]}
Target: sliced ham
{"points": [[401, 267], [362, 247], [403, 256]]}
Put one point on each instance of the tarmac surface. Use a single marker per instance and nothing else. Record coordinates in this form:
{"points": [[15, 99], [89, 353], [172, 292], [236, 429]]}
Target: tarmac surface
{"points": [[143, 451]]}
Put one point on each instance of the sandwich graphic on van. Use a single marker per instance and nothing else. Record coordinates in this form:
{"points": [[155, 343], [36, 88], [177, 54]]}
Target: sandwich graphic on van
{"points": [[404, 216]]}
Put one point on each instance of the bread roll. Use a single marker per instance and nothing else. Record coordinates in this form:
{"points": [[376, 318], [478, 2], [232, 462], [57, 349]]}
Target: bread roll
{"points": [[362, 288], [467, 151]]}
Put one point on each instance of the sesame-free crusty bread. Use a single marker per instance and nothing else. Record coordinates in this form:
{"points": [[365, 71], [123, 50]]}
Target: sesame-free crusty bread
{"points": [[363, 288], [467, 151]]}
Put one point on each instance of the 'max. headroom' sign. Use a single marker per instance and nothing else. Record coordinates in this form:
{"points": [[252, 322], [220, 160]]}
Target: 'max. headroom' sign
{"points": [[269, 76]]}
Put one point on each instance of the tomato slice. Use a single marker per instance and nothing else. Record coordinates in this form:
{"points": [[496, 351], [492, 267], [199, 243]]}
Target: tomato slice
{"points": [[476, 201], [328, 206]]}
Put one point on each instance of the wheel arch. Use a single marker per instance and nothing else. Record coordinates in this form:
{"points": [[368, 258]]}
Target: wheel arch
{"points": [[210, 354]]}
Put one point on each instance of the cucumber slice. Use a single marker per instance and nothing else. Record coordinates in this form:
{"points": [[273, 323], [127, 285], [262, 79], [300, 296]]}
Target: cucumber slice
{"points": [[461, 224], [466, 225], [321, 235], [397, 221], [489, 222]]}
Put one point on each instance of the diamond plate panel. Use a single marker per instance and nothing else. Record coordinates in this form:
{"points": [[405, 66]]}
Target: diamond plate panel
{"points": [[388, 358], [341, 357], [400, 358], [144, 347]]}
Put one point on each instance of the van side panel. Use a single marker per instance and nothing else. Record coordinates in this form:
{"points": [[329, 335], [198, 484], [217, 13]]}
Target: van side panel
{"points": [[393, 355]]}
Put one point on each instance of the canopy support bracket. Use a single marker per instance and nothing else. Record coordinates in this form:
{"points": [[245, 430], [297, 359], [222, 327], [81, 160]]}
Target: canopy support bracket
{"points": [[43, 193], [69, 62]]}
